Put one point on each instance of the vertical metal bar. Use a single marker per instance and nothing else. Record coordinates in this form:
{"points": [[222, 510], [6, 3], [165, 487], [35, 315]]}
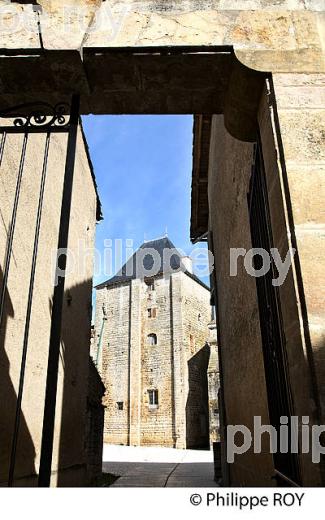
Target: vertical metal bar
{"points": [[2, 146], [271, 325], [58, 297], [12, 229], [99, 345], [38, 10], [28, 316]]}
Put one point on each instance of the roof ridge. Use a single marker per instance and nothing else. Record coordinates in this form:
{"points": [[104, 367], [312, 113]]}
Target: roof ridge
{"points": [[155, 239]]}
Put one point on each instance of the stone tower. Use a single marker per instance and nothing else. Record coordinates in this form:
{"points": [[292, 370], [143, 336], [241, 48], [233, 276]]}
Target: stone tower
{"points": [[151, 347]]}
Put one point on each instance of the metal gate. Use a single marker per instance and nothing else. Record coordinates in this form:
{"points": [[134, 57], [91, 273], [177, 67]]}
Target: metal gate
{"points": [[30, 119], [273, 338]]}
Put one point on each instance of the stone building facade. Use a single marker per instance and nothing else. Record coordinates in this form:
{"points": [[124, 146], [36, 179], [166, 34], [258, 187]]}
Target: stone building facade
{"points": [[152, 334]]}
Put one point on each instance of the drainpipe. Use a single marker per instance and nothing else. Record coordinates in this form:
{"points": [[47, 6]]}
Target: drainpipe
{"points": [[99, 345]]}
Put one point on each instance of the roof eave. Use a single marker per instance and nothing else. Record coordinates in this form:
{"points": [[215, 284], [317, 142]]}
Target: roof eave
{"points": [[199, 197]]}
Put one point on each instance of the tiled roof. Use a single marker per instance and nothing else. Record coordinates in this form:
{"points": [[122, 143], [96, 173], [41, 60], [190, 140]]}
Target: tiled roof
{"points": [[154, 257]]}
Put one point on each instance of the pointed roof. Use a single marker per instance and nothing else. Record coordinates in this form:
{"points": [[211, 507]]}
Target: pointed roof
{"points": [[153, 258]]}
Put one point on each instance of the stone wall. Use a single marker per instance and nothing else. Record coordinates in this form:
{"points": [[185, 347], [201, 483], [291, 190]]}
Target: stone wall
{"points": [[156, 366], [293, 165], [300, 103], [196, 316], [293, 145], [266, 34], [239, 332], [81, 38], [94, 424], [69, 453]]}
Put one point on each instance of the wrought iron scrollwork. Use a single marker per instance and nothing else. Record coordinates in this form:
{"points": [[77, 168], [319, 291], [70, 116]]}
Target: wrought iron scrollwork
{"points": [[38, 115]]}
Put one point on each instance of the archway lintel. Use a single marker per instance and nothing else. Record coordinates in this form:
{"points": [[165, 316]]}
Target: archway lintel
{"points": [[139, 80]]}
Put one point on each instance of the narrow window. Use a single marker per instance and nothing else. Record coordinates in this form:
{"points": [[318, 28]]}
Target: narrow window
{"points": [[192, 344], [153, 398], [152, 339], [119, 405], [152, 313]]}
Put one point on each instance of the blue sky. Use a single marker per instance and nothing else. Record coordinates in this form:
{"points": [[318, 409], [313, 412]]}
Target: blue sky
{"points": [[143, 167]]}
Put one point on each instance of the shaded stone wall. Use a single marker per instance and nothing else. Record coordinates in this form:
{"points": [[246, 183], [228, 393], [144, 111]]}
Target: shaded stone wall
{"points": [[197, 403], [94, 424], [196, 316], [242, 360]]}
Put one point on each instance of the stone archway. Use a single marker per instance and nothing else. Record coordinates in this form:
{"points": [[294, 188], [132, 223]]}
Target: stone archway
{"points": [[132, 77]]}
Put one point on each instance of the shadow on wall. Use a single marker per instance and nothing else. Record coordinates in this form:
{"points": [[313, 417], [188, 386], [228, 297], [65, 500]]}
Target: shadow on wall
{"points": [[319, 365], [82, 414], [197, 404], [25, 467]]}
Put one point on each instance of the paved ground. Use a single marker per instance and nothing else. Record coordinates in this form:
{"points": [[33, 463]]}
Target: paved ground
{"points": [[158, 467]]}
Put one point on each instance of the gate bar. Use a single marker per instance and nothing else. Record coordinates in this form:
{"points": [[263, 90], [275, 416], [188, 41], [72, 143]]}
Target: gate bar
{"points": [[2, 146], [12, 228], [28, 316], [58, 297]]}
